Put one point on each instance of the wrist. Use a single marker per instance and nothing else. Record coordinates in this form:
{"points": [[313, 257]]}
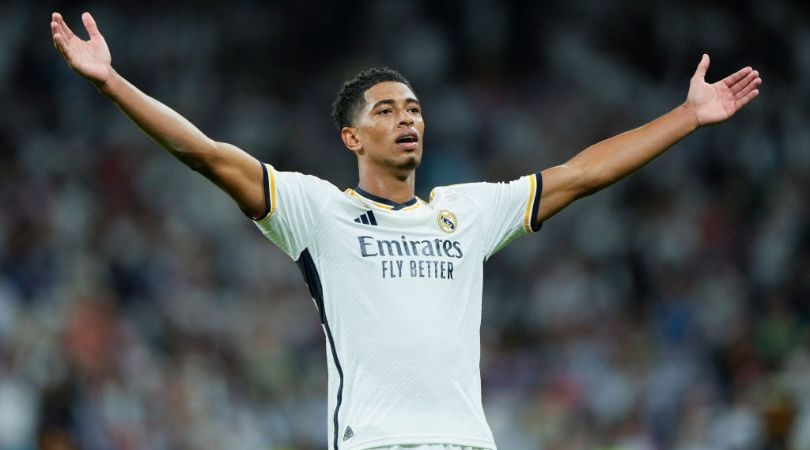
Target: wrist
{"points": [[104, 85], [690, 116]]}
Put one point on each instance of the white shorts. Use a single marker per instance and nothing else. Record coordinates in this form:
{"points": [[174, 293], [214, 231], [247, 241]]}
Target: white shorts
{"points": [[427, 447]]}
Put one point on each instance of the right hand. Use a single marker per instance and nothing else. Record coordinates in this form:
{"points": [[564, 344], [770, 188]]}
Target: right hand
{"points": [[91, 59]]}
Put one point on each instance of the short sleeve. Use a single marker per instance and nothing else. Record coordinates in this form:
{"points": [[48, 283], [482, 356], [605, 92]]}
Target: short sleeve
{"points": [[508, 210], [294, 201]]}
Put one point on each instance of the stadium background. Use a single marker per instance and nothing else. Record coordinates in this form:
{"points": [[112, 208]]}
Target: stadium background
{"points": [[140, 310]]}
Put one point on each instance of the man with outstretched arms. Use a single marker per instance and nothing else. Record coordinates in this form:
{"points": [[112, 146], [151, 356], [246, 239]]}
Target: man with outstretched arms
{"points": [[397, 280]]}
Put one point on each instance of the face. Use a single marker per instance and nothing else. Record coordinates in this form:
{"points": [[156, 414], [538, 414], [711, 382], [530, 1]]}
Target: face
{"points": [[388, 130]]}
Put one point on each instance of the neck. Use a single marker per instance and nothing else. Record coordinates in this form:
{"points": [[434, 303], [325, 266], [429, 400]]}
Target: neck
{"points": [[397, 187]]}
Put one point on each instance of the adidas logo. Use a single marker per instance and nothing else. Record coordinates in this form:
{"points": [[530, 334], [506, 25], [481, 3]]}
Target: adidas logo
{"points": [[349, 433], [367, 219]]}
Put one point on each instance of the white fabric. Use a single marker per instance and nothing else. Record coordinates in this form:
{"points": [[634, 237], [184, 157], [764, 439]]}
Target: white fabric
{"points": [[427, 447], [401, 302]]}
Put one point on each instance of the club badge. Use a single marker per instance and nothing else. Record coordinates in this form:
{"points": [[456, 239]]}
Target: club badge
{"points": [[447, 221]]}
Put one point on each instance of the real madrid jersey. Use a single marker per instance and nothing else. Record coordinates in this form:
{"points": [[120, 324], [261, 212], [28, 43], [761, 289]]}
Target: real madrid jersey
{"points": [[398, 288]]}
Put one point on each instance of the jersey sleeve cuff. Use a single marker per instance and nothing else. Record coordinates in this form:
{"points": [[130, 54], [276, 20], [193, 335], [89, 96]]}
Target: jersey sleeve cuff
{"points": [[269, 182], [533, 204]]}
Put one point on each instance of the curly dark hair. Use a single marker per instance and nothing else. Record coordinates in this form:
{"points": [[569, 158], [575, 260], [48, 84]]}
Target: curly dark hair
{"points": [[350, 98]]}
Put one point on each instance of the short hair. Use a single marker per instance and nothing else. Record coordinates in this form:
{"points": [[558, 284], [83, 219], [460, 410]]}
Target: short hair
{"points": [[350, 99]]}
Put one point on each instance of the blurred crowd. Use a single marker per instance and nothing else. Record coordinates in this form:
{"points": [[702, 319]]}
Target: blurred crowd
{"points": [[139, 309]]}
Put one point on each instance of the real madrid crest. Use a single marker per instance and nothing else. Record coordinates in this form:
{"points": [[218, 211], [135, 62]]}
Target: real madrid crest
{"points": [[447, 221]]}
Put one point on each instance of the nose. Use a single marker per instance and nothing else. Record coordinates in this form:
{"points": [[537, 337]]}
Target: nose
{"points": [[405, 118]]}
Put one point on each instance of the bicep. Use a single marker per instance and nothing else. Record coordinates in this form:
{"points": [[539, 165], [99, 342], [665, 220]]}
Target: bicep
{"points": [[561, 186], [238, 174]]}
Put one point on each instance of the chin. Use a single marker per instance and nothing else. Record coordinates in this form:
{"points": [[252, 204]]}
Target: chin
{"points": [[411, 163]]}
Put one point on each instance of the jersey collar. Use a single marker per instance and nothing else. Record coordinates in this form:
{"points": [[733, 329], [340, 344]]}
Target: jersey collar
{"points": [[384, 202]]}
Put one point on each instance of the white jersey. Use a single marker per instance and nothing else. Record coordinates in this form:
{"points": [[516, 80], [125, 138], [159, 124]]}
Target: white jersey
{"points": [[398, 288]]}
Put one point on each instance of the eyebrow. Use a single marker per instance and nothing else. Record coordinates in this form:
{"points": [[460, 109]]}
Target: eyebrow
{"points": [[390, 101]]}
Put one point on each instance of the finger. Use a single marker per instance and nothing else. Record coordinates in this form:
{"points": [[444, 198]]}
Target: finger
{"points": [[753, 75], [739, 104], [748, 89], [56, 31], [59, 43], [90, 25], [702, 67], [56, 36], [736, 76], [66, 31]]}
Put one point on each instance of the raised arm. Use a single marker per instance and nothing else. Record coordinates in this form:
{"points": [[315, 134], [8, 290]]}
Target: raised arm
{"points": [[606, 162], [233, 170]]}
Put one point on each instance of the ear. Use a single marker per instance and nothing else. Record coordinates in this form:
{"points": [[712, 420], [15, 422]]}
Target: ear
{"points": [[351, 140]]}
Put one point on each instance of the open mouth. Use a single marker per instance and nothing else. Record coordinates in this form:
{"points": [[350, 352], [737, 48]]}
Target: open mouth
{"points": [[408, 140]]}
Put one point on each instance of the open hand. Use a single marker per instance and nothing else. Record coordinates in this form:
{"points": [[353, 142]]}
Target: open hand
{"points": [[717, 102], [91, 58]]}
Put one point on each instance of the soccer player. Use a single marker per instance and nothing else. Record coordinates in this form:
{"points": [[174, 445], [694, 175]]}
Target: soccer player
{"points": [[397, 280]]}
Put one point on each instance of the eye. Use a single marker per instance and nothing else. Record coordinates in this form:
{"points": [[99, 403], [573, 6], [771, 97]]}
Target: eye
{"points": [[414, 110], [385, 111]]}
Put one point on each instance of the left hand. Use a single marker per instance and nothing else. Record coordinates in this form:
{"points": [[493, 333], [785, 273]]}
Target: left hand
{"points": [[712, 103]]}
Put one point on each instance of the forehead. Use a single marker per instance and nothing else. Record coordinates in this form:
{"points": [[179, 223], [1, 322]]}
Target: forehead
{"points": [[388, 90]]}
